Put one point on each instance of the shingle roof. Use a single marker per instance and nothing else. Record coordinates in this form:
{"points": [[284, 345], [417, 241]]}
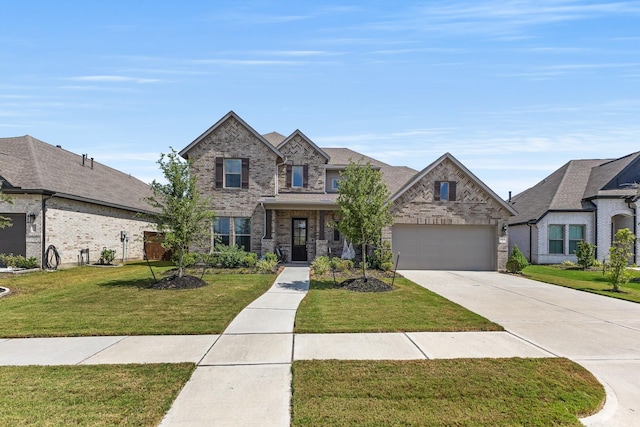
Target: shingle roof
{"points": [[33, 165], [569, 187], [274, 138]]}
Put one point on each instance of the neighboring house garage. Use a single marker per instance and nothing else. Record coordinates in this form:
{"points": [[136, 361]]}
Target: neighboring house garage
{"points": [[12, 241], [445, 247]]}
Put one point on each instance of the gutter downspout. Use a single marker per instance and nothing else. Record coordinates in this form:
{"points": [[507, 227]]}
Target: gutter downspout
{"points": [[284, 162], [530, 223], [44, 227]]}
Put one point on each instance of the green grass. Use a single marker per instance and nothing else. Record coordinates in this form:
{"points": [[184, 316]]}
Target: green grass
{"points": [[408, 307], [125, 395], [115, 301], [461, 392], [589, 281]]}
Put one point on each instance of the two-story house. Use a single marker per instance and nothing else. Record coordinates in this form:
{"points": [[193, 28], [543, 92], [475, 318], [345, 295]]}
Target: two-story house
{"points": [[274, 191]]}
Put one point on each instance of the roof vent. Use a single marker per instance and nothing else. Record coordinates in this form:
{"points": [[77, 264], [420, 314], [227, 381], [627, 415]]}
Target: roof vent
{"points": [[59, 146]]}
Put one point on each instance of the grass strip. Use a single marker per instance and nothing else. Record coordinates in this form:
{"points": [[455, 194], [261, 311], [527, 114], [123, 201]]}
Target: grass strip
{"points": [[87, 301], [458, 392], [583, 280], [102, 395], [408, 307]]}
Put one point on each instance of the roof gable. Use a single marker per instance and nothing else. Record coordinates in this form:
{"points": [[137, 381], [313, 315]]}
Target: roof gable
{"points": [[185, 151], [448, 157], [297, 132], [614, 175], [32, 165]]}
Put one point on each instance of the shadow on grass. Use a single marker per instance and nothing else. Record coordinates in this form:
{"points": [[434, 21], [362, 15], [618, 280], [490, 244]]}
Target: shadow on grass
{"points": [[134, 283]]}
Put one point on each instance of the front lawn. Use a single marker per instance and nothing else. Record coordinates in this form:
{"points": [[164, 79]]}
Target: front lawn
{"points": [[125, 395], [583, 280], [408, 307], [460, 392], [87, 300]]}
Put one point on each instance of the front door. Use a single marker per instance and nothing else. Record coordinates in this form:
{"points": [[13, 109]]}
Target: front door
{"points": [[299, 239]]}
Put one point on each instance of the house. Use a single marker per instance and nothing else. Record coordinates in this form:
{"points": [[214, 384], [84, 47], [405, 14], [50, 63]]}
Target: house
{"points": [[69, 201], [274, 191], [586, 200]]}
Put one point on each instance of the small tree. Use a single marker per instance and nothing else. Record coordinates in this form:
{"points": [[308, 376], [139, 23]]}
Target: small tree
{"points": [[362, 200], [4, 221], [517, 261], [586, 254], [619, 254], [184, 218]]}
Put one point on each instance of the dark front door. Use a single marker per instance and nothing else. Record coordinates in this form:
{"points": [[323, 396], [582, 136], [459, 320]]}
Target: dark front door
{"points": [[299, 239]]}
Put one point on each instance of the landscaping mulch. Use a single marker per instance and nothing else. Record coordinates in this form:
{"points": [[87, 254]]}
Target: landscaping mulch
{"points": [[370, 284], [174, 282]]}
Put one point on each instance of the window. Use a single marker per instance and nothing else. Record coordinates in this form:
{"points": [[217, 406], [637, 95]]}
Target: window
{"points": [[297, 176], [576, 234], [556, 239], [335, 183], [221, 230], [242, 230], [336, 232], [445, 191], [232, 173]]}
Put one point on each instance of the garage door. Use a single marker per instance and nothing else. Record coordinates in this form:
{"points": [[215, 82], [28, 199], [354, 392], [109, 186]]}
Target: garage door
{"points": [[445, 247]]}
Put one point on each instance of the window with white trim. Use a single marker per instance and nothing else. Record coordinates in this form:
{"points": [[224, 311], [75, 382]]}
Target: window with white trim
{"points": [[232, 173], [221, 231], [242, 231], [297, 176]]}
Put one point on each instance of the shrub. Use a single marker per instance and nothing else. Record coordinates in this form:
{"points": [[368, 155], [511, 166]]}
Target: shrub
{"points": [[382, 255], [568, 263], [18, 261], [267, 264], [516, 261], [250, 259], [386, 266], [348, 264], [338, 264], [189, 259], [321, 265], [107, 256], [271, 257], [230, 256], [586, 254]]}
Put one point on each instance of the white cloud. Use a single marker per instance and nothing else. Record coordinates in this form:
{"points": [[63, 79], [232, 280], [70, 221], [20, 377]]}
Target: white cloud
{"points": [[113, 79]]}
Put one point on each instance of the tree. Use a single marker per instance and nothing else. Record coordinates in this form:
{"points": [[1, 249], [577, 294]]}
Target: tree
{"points": [[586, 254], [184, 217], [4, 221], [363, 202], [619, 254]]}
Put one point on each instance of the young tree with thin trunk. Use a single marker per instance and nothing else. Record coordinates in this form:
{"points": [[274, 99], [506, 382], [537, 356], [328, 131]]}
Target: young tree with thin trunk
{"points": [[619, 254], [184, 218], [4, 221], [363, 202]]}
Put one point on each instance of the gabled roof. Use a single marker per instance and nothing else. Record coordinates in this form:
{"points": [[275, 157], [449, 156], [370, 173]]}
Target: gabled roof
{"points": [[393, 176], [184, 152], [448, 156], [574, 184], [307, 140], [274, 138], [28, 165]]}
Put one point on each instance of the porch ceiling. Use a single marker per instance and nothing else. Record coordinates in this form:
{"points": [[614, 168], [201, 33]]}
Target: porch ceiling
{"points": [[301, 201]]}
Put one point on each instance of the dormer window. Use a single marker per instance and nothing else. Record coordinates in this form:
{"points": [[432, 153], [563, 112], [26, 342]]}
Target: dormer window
{"points": [[444, 191]]}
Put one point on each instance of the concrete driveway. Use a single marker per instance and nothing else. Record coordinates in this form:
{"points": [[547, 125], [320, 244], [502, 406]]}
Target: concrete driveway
{"points": [[600, 333]]}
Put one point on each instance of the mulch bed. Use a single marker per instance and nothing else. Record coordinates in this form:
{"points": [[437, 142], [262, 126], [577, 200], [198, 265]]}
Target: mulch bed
{"points": [[175, 282], [361, 284]]}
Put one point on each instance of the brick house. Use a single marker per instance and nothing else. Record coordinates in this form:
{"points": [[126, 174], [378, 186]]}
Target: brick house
{"points": [[586, 200], [69, 201], [280, 191]]}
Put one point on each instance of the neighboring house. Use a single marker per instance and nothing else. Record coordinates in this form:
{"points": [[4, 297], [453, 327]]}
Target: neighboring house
{"points": [[69, 201], [271, 191], [583, 200]]}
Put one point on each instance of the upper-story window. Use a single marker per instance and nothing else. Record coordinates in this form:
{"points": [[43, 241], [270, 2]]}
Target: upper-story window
{"points": [[297, 176], [335, 183], [232, 172], [445, 191]]}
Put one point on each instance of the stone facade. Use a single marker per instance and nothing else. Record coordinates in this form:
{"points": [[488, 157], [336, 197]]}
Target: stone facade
{"points": [[300, 152], [74, 225], [473, 205]]}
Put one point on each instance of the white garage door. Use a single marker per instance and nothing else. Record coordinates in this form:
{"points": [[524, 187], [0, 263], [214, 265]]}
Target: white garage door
{"points": [[445, 247]]}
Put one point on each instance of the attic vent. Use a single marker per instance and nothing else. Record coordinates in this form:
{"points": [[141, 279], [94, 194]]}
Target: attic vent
{"points": [[59, 146], [85, 157]]}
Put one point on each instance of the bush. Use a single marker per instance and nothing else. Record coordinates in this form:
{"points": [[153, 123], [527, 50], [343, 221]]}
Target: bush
{"points": [[267, 264], [586, 254], [338, 264], [348, 264], [517, 262], [107, 256], [18, 261], [321, 265], [189, 259], [619, 254], [568, 264], [386, 266], [271, 257], [382, 255], [230, 256], [250, 259]]}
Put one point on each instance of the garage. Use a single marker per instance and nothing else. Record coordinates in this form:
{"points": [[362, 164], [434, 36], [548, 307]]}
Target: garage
{"points": [[445, 247], [13, 238]]}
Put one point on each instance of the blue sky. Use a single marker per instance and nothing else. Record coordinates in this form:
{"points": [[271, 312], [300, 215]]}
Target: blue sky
{"points": [[513, 89]]}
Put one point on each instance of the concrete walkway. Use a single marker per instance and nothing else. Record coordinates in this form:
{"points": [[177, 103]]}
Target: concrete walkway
{"points": [[243, 377], [600, 333]]}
